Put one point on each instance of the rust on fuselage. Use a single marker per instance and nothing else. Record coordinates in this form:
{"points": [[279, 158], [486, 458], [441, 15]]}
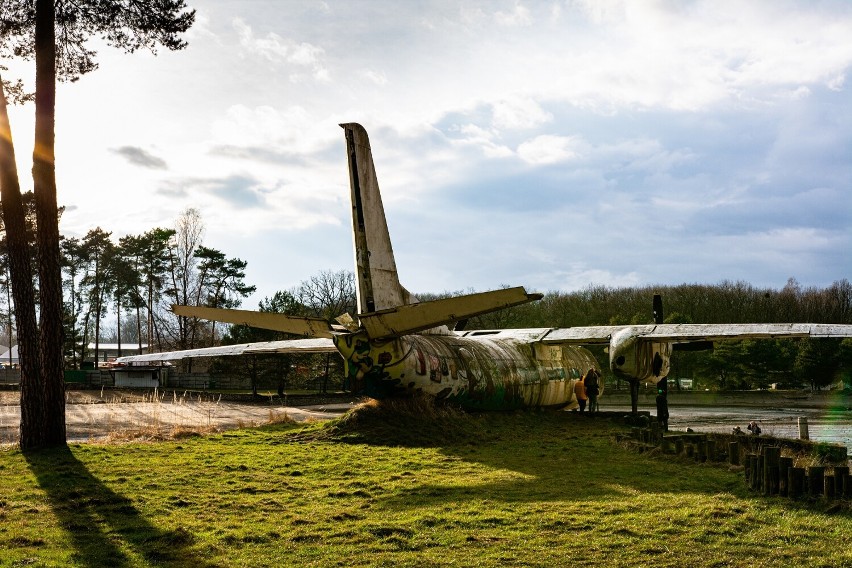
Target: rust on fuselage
{"points": [[494, 370]]}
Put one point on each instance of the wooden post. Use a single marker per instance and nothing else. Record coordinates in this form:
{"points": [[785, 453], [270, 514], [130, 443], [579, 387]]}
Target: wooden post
{"points": [[841, 472], [637, 434], [771, 454], [761, 464], [734, 453], [816, 473], [666, 445], [803, 428], [679, 446], [828, 487], [753, 470], [690, 450], [784, 464], [701, 450], [712, 453], [655, 432], [795, 482]]}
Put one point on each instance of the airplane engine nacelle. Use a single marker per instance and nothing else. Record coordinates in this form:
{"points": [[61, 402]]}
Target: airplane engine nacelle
{"points": [[632, 357]]}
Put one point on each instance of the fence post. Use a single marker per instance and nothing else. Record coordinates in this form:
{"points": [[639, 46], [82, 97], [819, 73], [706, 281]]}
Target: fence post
{"points": [[828, 487], [795, 482], [753, 470], [816, 473], [734, 453], [771, 454], [784, 464], [840, 475], [803, 428]]}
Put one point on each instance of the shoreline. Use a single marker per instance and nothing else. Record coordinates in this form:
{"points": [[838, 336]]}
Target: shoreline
{"points": [[826, 400]]}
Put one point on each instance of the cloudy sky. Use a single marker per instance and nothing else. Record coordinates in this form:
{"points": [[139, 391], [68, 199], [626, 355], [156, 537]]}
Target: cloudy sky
{"points": [[550, 144]]}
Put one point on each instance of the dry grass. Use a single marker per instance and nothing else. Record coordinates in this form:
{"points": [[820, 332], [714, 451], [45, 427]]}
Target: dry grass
{"points": [[156, 434], [277, 417]]}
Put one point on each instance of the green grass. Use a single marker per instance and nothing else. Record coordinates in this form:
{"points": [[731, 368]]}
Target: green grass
{"points": [[391, 487]]}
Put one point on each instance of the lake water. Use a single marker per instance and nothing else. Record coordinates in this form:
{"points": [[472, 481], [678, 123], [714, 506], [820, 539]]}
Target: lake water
{"points": [[833, 426]]}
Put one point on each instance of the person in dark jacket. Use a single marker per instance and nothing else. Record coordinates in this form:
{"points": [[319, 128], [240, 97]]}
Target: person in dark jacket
{"points": [[590, 381], [662, 410], [753, 428]]}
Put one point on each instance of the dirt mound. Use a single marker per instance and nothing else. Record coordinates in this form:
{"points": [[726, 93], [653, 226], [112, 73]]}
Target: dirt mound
{"points": [[416, 421]]}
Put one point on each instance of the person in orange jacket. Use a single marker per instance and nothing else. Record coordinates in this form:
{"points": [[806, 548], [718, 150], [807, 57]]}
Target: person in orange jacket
{"points": [[580, 393]]}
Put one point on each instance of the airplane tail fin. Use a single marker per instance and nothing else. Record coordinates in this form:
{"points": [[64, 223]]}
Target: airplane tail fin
{"points": [[378, 283], [385, 308]]}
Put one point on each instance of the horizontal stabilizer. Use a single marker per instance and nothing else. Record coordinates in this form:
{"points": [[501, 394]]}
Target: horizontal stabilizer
{"points": [[297, 325], [318, 345], [426, 315]]}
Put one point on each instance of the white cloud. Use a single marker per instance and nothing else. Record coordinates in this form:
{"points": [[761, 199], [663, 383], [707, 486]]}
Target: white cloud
{"points": [[836, 83], [549, 149], [266, 127], [475, 136], [277, 49], [519, 16], [657, 125], [519, 112], [376, 77]]}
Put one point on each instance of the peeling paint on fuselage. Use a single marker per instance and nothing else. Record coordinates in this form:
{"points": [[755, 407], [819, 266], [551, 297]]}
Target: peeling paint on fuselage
{"points": [[473, 372]]}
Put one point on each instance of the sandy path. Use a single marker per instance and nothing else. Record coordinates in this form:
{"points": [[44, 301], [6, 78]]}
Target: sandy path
{"points": [[89, 417]]}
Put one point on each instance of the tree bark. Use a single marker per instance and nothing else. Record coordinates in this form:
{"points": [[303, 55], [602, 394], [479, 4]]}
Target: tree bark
{"points": [[20, 270], [47, 235]]}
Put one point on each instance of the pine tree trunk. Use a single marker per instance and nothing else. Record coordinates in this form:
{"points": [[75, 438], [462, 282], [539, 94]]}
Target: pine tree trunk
{"points": [[47, 235], [20, 270]]}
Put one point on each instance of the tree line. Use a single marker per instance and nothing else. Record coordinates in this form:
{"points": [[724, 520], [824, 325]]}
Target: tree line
{"points": [[132, 281], [747, 364]]}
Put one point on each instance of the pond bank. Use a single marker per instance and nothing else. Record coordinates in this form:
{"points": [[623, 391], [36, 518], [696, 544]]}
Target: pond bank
{"points": [[828, 400]]}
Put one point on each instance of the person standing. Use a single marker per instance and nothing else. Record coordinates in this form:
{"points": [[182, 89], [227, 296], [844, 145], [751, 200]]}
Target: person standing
{"points": [[590, 382], [580, 393], [662, 409]]}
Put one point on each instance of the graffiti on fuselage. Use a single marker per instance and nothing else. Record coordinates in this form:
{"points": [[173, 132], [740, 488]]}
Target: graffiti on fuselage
{"points": [[477, 374], [372, 367]]}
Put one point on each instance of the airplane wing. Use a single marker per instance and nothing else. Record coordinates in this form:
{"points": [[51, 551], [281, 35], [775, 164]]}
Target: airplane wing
{"points": [[682, 333], [690, 332], [298, 325], [588, 335], [315, 345]]}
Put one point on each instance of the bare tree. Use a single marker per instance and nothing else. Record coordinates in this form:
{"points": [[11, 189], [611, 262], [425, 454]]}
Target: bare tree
{"points": [[328, 294], [189, 232]]}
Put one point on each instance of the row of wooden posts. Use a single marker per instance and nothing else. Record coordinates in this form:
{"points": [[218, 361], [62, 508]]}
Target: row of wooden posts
{"points": [[773, 474], [766, 470]]}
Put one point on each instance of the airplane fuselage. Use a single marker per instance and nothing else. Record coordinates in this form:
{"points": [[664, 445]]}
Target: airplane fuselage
{"points": [[476, 370]]}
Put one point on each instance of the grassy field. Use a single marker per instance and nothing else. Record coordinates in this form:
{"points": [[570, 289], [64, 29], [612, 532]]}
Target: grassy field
{"points": [[390, 487]]}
